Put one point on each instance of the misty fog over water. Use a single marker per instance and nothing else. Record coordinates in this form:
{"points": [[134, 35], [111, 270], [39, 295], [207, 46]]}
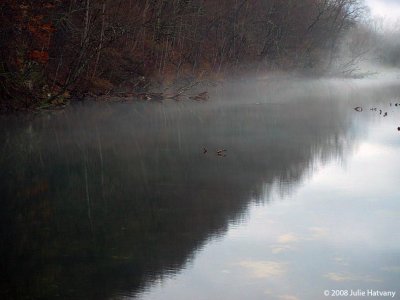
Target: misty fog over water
{"points": [[205, 150], [134, 201]]}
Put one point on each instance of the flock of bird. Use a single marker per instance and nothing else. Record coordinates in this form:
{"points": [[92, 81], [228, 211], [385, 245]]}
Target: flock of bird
{"points": [[222, 152], [385, 114]]}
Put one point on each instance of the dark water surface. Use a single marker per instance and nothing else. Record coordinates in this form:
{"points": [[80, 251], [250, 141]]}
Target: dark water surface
{"points": [[118, 201]]}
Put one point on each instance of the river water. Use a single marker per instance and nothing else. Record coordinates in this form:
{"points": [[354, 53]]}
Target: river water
{"points": [[119, 200]]}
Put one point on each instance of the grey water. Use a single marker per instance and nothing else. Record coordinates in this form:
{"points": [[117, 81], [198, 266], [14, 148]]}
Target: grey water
{"points": [[132, 201]]}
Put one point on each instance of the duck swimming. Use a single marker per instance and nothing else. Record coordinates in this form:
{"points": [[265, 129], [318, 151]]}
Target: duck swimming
{"points": [[221, 152]]}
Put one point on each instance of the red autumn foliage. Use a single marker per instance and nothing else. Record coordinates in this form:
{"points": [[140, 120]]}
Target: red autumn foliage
{"points": [[39, 56]]}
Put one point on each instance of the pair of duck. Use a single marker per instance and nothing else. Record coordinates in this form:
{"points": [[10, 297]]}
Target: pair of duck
{"points": [[380, 112], [385, 114], [220, 152]]}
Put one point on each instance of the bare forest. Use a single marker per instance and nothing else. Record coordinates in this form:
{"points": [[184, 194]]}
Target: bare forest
{"points": [[56, 51]]}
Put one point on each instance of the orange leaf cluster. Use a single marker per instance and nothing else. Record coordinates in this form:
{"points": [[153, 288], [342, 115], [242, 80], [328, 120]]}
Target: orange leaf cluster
{"points": [[39, 56]]}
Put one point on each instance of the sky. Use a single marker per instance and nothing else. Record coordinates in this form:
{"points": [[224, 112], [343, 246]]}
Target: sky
{"points": [[389, 10]]}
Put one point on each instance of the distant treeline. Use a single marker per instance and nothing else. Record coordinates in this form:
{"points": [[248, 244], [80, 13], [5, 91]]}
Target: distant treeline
{"points": [[388, 50], [53, 49]]}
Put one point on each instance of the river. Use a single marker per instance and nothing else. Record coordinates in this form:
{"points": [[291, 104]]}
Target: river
{"points": [[134, 201]]}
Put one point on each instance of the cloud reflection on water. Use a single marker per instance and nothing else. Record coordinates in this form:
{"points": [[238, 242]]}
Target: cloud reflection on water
{"points": [[263, 269], [350, 277], [337, 231]]}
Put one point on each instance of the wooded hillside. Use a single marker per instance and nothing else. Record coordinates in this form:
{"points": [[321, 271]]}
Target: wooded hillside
{"points": [[54, 49]]}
